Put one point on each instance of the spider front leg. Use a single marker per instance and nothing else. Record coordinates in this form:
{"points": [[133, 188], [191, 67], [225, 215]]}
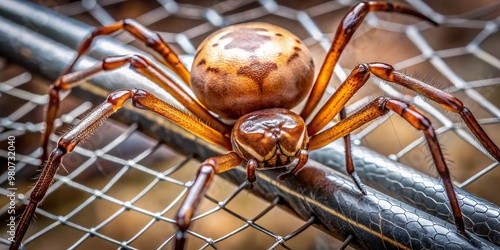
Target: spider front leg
{"points": [[380, 107], [345, 31], [150, 38], [142, 66], [204, 176], [66, 144], [203, 179]]}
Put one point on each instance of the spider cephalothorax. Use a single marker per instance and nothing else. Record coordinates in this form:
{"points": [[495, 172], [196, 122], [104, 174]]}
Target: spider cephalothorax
{"points": [[253, 73], [273, 137]]}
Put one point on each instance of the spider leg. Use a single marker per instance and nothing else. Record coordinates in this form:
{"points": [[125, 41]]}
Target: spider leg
{"points": [[252, 166], [142, 66], [150, 38], [203, 179], [140, 99], [360, 75], [302, 156], [349, 164], [380, 107], [447, 101], [345, 30]]}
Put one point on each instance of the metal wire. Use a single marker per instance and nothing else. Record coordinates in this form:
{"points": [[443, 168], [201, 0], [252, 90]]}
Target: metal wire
{"points": [[98, 158]]}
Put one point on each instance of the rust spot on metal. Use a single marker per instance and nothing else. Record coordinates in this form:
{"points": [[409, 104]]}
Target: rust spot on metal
{"points": [[246, 39]]}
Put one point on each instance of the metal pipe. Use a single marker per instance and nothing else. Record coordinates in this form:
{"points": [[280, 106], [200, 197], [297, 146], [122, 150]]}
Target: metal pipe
{"points": [[415, 188]]}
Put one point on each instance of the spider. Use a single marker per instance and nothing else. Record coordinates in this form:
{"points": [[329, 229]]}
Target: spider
{"points": [[252, 73]]}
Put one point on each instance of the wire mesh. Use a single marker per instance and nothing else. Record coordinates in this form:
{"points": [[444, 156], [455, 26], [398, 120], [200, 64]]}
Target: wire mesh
{"points": [[120, 188]]}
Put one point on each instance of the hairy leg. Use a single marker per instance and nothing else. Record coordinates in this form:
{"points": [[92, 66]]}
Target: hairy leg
{"points": [[380, 107]]}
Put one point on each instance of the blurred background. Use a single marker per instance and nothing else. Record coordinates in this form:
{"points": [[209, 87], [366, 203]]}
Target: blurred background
{"points": [[460, 56]]}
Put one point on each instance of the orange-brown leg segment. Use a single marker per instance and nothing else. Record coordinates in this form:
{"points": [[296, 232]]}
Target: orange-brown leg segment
{"points": [[140, 99], [380, 107], [203, 179], [302, 157], [150, 38], [345, 30], [447, 101], [349, 164], [252, 166], [360, 75], [139, 64]]}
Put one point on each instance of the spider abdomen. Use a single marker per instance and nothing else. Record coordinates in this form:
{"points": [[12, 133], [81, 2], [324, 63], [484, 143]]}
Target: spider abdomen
{"points": [[273, 137], [252, 66]]}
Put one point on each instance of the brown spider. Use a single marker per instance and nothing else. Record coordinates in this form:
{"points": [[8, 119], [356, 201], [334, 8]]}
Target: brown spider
{"points": [[254, 73]]}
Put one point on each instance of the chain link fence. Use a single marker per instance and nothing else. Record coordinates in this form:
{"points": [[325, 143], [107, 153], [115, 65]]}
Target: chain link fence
{"points": [[121, 188]]}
